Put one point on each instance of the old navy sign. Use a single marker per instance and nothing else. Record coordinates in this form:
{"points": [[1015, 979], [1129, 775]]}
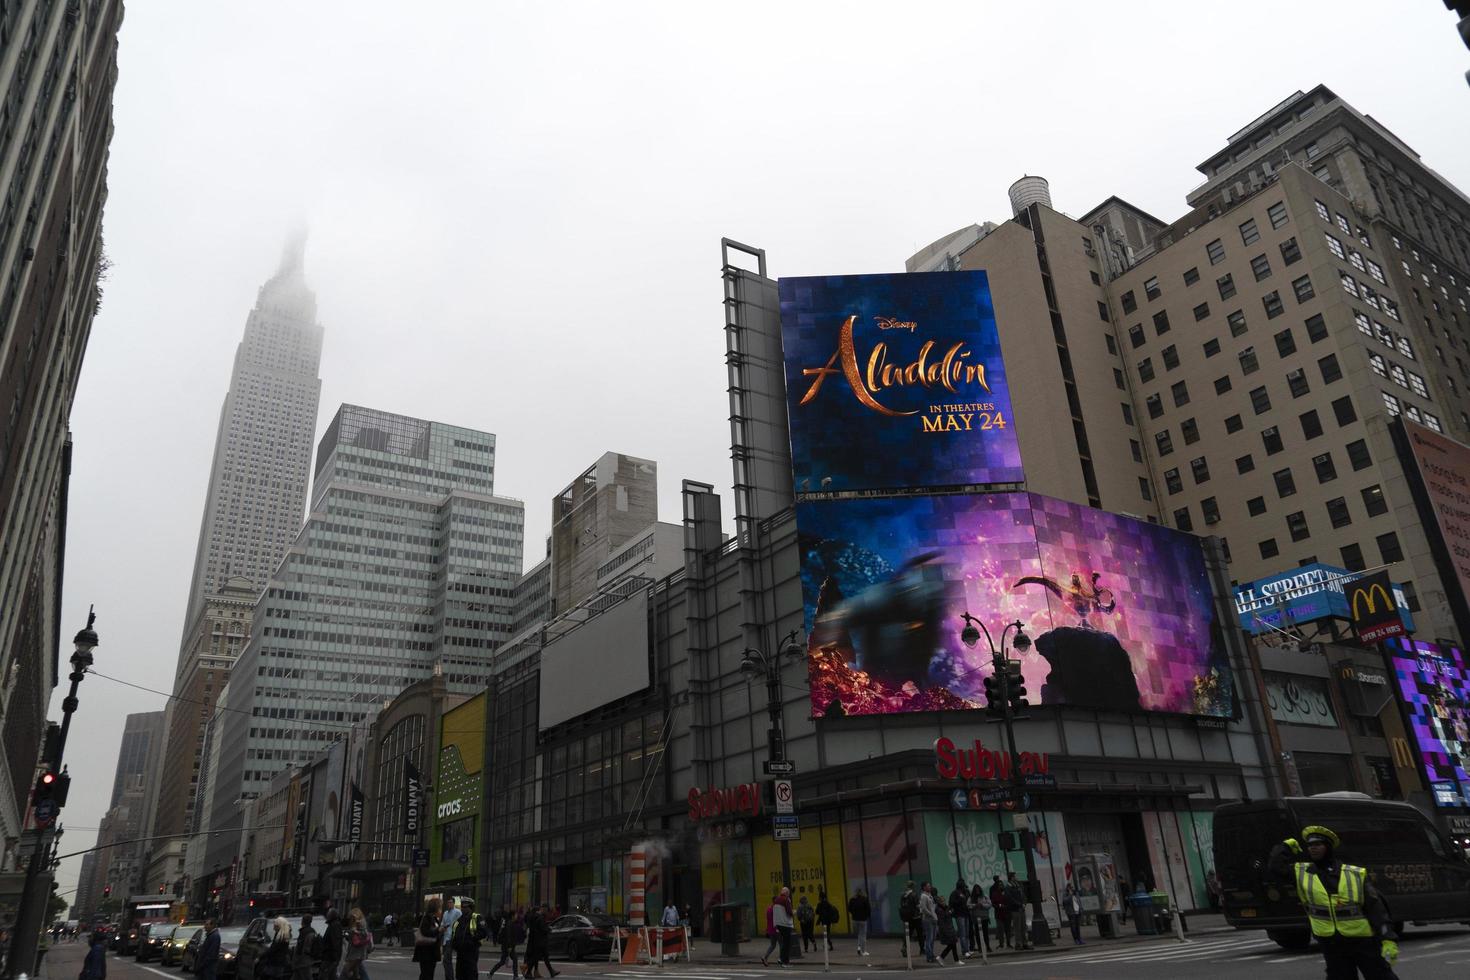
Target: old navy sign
{"points": [[1302, 595], [710, 804], [982, 763]]}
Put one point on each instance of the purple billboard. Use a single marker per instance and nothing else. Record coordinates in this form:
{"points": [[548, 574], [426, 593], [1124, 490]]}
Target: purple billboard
{"points": [[1120, 611], [1433, 683]]}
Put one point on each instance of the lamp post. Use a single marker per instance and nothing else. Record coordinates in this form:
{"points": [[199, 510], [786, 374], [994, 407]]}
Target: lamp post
{"points": [[1005, 712], [54, 783], [754, 664]]}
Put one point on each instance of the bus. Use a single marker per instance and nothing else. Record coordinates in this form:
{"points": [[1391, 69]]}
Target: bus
{"points": [[1423, 876]]}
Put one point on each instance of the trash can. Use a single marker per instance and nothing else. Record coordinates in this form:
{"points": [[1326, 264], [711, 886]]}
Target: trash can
{"points": [[726, 924], [1142, 905], [1108, 925]]}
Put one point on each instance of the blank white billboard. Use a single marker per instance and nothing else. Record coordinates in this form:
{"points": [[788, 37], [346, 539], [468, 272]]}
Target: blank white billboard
{"points": [[596, 663]]}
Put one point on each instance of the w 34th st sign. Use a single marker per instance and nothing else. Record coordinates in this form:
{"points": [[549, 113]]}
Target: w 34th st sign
{"points": [[1371, 604]]}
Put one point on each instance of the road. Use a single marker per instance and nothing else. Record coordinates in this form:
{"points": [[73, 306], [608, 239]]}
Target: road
{"points": [[1426, 954]]}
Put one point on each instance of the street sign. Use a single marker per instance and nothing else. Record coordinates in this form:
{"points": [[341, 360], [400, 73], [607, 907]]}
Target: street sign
{"points": [[785, 797], [1001, 794], [959, 799], [783, 767], [420, 857], [1042, 779], [45, 812], [785, 827]]}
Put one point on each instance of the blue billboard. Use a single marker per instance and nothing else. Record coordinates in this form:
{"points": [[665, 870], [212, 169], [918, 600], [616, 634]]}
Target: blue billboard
{"points": [[896, 382], [1301, 596]]}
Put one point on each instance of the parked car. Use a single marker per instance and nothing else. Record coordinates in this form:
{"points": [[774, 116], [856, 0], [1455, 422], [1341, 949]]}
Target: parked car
{"points": [[151, 937], [229, 942], [172, 953], [580, 935]]}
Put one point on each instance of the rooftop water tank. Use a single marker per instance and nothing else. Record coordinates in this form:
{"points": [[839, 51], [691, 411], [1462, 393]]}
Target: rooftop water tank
{"points": [[1028, 191]]}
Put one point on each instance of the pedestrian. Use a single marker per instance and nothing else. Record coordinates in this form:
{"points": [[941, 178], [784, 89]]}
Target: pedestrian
{"points": [[908, 914], [508, 936], [358, 944], [670, 918], [538, 945], [860, 910], [771, 933], [308, 950], [390, 922], [469, 933], [332, 945], [806, 918], [1212, 887], [1072, 906], [94, 967], [1348, 917], [446, 932], [1002, 913], [427, 942], [929, 915], [959, 907], [979, 917], [1016, 903], [275, 963], [827, 916], [946, 933], [206, 962], [784, 923]]}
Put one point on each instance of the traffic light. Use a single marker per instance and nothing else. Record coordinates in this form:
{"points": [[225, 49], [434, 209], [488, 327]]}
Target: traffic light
{"points": [[52, 785], [160, 889], [1015, 687], [995, 699], [106, 891]]}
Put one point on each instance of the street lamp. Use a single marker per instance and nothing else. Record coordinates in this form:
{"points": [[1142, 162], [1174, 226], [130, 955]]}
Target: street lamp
{"points": [[755, 664], [47, 803], [1003, 704]]}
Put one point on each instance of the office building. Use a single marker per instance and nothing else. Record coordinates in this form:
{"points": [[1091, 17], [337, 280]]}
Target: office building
{"points": [[615, 500], [406, 566], [58, 68], [134, 784]]}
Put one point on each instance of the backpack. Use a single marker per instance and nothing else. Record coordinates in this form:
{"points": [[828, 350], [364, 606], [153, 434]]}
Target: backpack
{"points": [[805, 913], [908, 907]]}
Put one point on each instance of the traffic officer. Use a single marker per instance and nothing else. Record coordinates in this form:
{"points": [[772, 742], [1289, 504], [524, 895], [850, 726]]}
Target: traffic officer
{"points": [[1348, 916]]}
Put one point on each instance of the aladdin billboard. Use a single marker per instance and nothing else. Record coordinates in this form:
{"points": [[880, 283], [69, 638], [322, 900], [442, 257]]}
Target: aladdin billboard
{"points": [[1120, 611], [895, 382], [1434, 683], [1302, 595]]}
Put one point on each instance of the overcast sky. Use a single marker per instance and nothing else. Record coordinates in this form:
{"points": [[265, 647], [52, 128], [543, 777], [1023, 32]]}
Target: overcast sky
{"points": [[515, 213]]}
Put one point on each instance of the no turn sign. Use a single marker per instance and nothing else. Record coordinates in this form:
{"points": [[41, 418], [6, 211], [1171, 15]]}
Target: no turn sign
{"points": [[785, 798]]}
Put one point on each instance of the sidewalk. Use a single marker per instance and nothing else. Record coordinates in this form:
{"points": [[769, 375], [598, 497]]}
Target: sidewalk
{"points": [[886, 951]]}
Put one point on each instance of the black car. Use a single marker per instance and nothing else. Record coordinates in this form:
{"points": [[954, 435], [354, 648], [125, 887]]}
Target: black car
{"points": [[229, 942], [151, 939], [580, 935]]}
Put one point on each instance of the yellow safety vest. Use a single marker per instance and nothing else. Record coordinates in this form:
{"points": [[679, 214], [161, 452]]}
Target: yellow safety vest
{"points": [[1334, 914]]}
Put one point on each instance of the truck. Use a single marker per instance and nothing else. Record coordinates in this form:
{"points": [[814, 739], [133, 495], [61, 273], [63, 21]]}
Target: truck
{"points": [[1423, 876]]}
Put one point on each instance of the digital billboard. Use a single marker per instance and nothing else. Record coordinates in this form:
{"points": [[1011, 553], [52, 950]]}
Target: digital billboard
{"points": [[1433, 682], [1120, 611], [895, 382], [1300, 596]]}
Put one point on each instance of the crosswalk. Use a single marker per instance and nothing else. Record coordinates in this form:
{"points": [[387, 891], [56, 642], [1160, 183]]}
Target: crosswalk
{"points": [[1235, 947]]}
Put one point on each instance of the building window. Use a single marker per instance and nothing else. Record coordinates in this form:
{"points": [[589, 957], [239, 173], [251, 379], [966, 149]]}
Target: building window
{"points": [[1199, 469], [1373, 500], [1358, 456], [1271, 440], [1161, 322], [1143, 489], [1112, 344], [1285, 345], [1102, 311], [1416, 383], [1180, 391], [1191, 276], [1146, 369], [1352, 557], [1364, 325], [1432, 421], [1285, 484], [1256, 506], [1248, 233], [1269, 549], [1201, 311], [1222, 384], [1376, 271], [1127, 413], [1388, 547], [1249, 363], [1211, 509], [1378, 364], [1212, 347], [1296, 382], [1216, 251], [1311, 424], [1343, 409], [1137, 448], [1335, 246], [1118, 381], [1135, 335], [1322, 211], [1233, 423], [1303, 289], [1189, 429], [1155, 406], [1323, 465], [1170, 355], [1261, 267], [1290, 251], [1172, 481], [1330, 370], [1237, 323], [1244, 464], [1163, 443], [1349, 284], [1260, 400], [1151, 287], [1391, 404], [1316, 327], [1296, 524], [1129, 303], [1181, 519], [1226, 285], [1272, 302], [1277, 214], [1337, 512]]}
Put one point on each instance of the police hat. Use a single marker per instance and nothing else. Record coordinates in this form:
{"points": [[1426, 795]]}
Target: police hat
{"points": [[1320, 833]]}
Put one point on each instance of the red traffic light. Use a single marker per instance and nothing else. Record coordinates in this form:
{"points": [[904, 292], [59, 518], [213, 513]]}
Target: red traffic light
{"points": [[106, 891], [47, 778]]}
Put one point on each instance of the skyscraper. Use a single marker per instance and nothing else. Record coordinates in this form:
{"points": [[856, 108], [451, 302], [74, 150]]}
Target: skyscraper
{"points": [[407, 564], [121, 865]]}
